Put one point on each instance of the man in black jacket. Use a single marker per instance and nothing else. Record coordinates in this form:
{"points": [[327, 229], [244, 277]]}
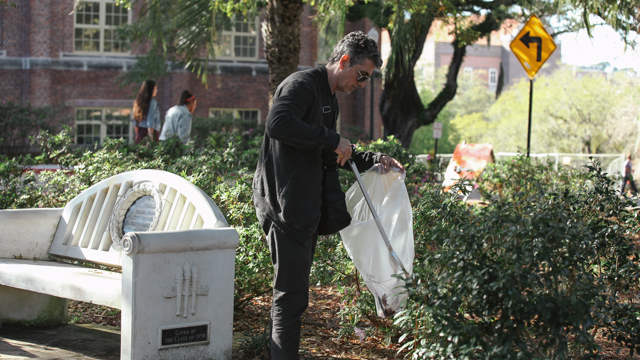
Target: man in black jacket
{"points": [[301, 143]]}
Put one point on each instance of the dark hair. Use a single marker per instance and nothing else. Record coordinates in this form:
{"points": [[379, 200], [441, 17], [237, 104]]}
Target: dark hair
{"points": [[143, 99], [359, 47], [184, 96]]}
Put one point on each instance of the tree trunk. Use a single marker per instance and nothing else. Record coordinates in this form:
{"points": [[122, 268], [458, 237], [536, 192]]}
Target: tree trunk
{"points": [[450, 87], [281, 33], [400, 105]]}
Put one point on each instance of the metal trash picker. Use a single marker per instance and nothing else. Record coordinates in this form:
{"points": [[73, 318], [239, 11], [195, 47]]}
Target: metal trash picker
{"points": [[394, 257]]}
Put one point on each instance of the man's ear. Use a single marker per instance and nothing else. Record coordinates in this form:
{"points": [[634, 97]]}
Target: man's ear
{"points": [[344, 61]]}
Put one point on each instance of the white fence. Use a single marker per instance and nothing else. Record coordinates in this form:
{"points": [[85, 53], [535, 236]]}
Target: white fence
{"points": [[611, 162]]}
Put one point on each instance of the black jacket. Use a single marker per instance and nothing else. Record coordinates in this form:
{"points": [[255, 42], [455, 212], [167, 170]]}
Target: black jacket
{"points": [[301, 125]]}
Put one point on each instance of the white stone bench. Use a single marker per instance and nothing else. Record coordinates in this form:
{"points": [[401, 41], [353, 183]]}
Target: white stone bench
{"points": [[177, 258]]}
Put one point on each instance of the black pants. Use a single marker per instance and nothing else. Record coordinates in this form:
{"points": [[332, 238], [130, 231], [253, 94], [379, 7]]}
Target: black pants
{"points": [[292, 259], [632, 186]]}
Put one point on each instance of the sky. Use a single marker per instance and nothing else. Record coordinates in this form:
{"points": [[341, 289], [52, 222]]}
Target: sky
{"points": [[606, 45]]}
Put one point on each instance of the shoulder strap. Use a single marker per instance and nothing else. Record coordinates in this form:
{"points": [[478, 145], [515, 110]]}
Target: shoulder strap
{"points": [[329, 106]]}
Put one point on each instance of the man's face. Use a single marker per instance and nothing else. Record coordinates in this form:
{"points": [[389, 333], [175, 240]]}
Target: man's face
{"points": [[348, 80]]}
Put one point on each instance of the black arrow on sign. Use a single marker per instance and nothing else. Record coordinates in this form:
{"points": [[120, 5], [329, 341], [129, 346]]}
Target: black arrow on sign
{"points": [[526, 40]]}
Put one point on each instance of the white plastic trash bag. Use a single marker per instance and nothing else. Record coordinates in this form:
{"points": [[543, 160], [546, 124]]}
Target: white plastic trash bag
{"points": [[365, 244]]}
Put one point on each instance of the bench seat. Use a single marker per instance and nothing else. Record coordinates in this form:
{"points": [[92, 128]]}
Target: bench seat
{"points": [[63, 280], [173, 244]]}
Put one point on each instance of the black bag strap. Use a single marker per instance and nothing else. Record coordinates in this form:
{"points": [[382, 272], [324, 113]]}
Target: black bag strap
{"points": [[330, 112]]}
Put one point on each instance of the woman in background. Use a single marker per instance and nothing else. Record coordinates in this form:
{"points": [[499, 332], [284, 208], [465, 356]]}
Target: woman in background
{"points": [[177, 122], [146, 113]]}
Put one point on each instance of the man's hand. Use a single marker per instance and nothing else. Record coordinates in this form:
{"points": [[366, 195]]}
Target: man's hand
{"points": [[388, 163], [344, 151]]}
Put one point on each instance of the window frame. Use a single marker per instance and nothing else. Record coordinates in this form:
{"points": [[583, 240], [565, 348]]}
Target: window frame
{"points": [[102, 15], [235, 113], [468, 73], [232, 33], [493, 73], [103, 123]]}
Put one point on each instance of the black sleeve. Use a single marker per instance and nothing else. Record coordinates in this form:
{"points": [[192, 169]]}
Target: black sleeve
{"points": [[364, 160], [293, 103]]}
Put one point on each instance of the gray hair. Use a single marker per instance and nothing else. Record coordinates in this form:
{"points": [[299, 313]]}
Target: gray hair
{"points": [[359, 47]]}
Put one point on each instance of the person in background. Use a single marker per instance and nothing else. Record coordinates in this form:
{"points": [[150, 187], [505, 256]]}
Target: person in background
{"points": [[628, 177], [177, 122], [146, 113]]}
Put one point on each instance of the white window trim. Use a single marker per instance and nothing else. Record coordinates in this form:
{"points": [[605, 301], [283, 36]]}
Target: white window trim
{"points": [[103, 124], [233, 33], [101, 27], [235, 112], [493, 72], [468, 73]]}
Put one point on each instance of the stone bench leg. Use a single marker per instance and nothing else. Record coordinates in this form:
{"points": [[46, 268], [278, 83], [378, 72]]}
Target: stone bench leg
{"points": [[178, 305], [27, 308]]}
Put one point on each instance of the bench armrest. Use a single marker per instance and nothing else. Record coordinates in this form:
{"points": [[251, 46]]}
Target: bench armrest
{"points": [[27, 233], [179, 241]]}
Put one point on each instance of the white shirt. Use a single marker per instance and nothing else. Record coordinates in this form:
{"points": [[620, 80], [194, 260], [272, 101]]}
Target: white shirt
{"points": [[627, 167], [177, 122]]}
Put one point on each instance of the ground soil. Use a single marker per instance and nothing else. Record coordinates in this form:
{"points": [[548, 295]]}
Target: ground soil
{"points": [[320, 331]]}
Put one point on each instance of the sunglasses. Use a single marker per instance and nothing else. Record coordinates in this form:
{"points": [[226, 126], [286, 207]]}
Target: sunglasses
{"points": [[362, 78]]}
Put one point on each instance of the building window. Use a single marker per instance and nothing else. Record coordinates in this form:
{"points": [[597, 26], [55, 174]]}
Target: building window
{"points": [[95, 24], [493, 77], [468, 74], [235, 119], [93, 125], [238, 40]]}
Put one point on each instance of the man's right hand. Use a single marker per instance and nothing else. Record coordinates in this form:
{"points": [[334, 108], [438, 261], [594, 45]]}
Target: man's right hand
{"points": [[343, 150]]}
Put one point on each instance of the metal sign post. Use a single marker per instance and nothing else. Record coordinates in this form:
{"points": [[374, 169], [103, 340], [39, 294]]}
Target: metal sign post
{"points": [[437, 134], [532, 57], [529, 123]]}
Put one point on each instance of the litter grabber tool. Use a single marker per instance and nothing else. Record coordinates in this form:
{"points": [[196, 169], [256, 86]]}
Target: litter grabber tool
{"points": [[394, 257]]}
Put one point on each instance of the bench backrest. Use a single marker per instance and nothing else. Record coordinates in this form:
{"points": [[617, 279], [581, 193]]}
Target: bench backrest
{"points": [[91, 223]]}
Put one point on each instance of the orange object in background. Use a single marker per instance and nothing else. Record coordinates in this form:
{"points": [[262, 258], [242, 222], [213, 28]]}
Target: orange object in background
{"points": [[468, 161]]}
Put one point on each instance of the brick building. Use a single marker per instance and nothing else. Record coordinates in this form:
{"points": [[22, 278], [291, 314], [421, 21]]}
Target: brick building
{"points": [[482, 60], [53, 54]]}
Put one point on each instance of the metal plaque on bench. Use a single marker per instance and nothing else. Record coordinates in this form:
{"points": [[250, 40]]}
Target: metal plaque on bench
{"points": [[183, 335], [138, 210], [140, 215]]}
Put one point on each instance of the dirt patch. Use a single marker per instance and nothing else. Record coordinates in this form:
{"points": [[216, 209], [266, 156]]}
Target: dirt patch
{"points": [[320, 331]]}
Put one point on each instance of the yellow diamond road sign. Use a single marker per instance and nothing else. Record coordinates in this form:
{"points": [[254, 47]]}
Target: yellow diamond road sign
{"points": [[533, 46]]}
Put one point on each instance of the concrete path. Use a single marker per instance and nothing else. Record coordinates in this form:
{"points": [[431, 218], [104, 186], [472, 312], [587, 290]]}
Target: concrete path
{"points": [[76, 342], [86, 342]]}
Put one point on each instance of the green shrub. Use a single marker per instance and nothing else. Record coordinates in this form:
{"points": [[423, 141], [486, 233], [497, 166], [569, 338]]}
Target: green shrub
{"points": [[217, 132], [225, 174], [520, 177], [529, 276], [18, 123], [391, 146]]}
